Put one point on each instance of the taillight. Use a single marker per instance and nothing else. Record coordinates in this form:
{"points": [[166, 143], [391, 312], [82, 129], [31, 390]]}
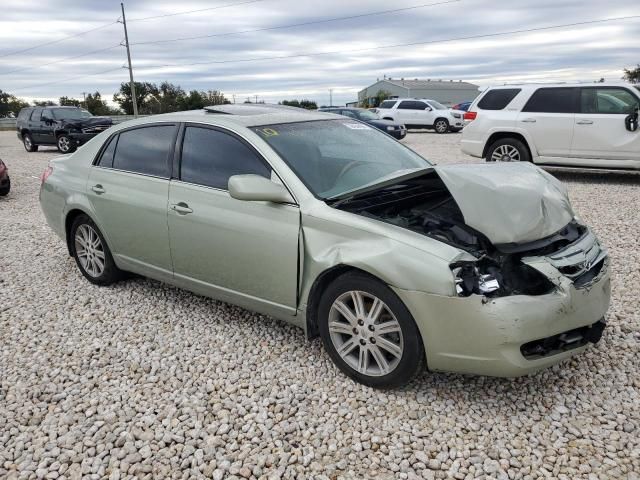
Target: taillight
{"points": [[47, 171], [470, 115]]}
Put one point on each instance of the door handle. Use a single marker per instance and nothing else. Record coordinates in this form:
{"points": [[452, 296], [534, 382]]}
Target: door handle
{"points": [[584, 122], [181, 208], [528, 120], [99, 189]]}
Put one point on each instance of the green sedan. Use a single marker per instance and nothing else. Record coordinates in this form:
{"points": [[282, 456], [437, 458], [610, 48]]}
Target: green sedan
{"points": [[324, 222]]}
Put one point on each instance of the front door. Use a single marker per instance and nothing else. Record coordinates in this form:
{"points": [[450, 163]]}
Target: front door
{"points": [[238, 251], [548, 118], [128, 189], [600, 130]]}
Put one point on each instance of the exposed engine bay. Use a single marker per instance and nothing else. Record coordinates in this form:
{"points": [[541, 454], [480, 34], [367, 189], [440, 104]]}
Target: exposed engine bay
{"points": [[424, 205]]}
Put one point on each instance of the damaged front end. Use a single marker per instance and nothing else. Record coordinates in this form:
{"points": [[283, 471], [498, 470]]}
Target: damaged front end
{"points": [[426, 205]]}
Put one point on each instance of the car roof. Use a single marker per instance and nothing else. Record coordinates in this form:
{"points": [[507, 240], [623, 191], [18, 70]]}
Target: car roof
{"points": [[535, 86], [246, 115]]}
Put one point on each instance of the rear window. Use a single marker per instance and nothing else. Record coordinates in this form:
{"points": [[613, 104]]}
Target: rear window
{"points": [[387, 104], [145, 150], [498, 99], [553, 100], [24, 114]]}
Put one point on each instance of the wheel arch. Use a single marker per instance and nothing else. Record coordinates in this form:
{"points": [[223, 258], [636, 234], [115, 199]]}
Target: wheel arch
{"points": [[494, 137], [70, 217], [320, 284]]}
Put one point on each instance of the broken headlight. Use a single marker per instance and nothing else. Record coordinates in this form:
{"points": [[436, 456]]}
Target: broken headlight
{"points": [[486, 277], [471, 278]]}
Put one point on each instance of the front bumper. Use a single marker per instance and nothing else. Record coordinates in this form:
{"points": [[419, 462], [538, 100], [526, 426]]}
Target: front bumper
{"points": [[484, 336], [399, 133]]}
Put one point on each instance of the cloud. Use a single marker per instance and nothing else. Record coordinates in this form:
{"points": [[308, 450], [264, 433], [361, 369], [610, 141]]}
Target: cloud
{"points": [[575, 53]]}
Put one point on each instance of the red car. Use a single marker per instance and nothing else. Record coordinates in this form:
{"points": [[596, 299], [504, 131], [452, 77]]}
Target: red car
{"points": [[5, 183]]}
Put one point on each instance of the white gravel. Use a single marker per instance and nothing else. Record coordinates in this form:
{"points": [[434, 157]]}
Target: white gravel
{"points": [[142, 380]]}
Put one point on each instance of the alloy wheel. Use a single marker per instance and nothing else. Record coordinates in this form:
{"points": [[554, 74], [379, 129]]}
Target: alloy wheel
{"points": [[27, 142], [365, 333], [89, 250], [506, 153], [64, 144], [441, 126]]}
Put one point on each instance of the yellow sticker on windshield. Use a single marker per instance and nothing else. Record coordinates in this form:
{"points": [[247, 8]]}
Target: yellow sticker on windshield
{"points": [[269, 132]]}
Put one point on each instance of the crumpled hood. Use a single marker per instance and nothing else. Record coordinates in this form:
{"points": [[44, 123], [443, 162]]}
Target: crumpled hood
{"points": [[86, 122], [508, 202]]}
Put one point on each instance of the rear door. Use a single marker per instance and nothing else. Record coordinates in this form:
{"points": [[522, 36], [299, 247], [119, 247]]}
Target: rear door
{"points": [[412, 112], [548, 117], [34, 123], [600, 130], [128, 188], [238, 251]]}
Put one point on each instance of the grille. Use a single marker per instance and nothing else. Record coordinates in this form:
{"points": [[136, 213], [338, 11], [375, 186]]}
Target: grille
{"points": [[581, 260]]}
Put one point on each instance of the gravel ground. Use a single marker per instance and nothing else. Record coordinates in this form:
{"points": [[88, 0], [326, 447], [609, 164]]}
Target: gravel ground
{"points": [[142, 380]]}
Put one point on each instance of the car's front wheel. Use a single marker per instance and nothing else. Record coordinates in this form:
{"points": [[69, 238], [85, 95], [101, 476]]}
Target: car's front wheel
{"points": [[27, 141], [441, 125], [368, 332], [508, 150], [91, 252], [66, 144]]}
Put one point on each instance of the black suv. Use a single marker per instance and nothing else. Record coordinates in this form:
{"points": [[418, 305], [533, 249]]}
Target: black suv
{"points": [[64, 127]]}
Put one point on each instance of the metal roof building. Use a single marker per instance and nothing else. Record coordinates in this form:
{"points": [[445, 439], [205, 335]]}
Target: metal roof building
{"points": [[447, 92]]}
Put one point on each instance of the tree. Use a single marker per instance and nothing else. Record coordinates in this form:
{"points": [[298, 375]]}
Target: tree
{"points": [[632, 74], [215, 97], [44, 103], [99, 107], [68, 102], [10, 104], [144, 92], [307, 104], [380, 97]]}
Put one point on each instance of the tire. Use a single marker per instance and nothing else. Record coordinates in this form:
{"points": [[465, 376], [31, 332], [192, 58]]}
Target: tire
{"points": [[27, 141], [88, 259], [508, 150], [360, 337], [441, 125], [4, 191], [66, 144]]}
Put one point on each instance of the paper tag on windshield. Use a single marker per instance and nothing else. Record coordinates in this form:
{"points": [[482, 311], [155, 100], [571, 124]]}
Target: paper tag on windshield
{"points": [[357, 126]]}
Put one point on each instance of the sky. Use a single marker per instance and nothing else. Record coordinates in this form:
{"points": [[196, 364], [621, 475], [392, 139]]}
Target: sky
{"points": [[243, 62]]}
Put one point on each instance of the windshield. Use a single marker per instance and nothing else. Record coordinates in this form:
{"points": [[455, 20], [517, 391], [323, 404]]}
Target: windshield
{"points": [[333, 157], [436, 105], [70, 113], [366, 115]]}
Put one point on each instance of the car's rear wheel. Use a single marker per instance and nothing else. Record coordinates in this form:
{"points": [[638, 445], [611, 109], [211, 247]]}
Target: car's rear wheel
{"points": [[368, 332], [91, 252], [508, 150], [66, 144], [27, 141], [4, 190], [441, 125]]}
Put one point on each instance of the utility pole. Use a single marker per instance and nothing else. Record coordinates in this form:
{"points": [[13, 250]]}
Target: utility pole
{"points": [[84, 99], [331, 97], [256, 98], [133, 86]]}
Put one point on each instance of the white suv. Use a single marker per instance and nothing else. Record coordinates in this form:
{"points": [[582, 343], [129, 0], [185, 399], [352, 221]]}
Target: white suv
{"points": [[581, 125], [421, 113]]}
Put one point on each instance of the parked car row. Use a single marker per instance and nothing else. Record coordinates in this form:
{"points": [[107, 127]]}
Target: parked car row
{"points": [[394, 129], [337, 228], [576, 125], [65, 127], [418, 113]]}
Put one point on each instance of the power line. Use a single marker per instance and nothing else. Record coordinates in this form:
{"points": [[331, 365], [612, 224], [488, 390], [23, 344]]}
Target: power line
{"points": [[313, 22], [58, 40], [61, 60], [193, 11], [68, 79], [380, 47]]}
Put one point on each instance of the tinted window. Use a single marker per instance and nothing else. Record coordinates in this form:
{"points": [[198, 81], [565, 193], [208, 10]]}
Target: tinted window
{"points": [[46, 113], [388, 104], [210, 157], [24, 113], [145, 150], [106, 159], [348, 113], [552, 100], [498, 99], [607, 100], [412, 105], [35, 114]]}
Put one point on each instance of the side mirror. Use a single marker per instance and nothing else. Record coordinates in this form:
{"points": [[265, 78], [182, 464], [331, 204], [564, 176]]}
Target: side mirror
{"points": [[46, 119], [258, 189], [428, 108], [631, 121]]}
